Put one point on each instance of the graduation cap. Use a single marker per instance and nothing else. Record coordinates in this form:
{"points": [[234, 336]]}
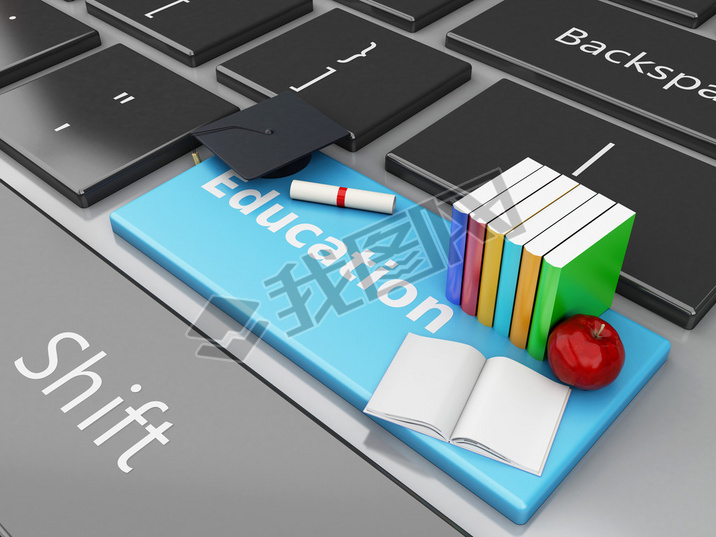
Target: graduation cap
{"points": [[273, 138]]}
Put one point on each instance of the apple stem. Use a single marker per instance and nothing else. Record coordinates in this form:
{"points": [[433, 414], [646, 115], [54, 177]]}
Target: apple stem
{"points": [[600, 330]]}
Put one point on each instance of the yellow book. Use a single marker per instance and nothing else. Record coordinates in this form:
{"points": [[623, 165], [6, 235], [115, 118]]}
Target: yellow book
{"points": [[498, 227], [491, 262], [531, 262]]}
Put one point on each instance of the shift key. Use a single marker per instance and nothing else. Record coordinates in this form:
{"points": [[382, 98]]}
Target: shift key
{"points": [[649, 73]]}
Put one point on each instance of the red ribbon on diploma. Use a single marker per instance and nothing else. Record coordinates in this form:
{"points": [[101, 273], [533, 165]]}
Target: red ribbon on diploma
{"points": [[341, 196]]}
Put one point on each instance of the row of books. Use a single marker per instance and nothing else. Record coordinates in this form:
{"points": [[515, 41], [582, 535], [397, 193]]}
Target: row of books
{"points": [[531, 247]]}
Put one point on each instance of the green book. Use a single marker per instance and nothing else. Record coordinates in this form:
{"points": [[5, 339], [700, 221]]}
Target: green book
{"points": [[580, 275]]}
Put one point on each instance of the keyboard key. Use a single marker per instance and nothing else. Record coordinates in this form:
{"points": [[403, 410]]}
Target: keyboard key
{"points": [[410, 15], [104, 121], [368, 79], [195, 32], [496, 129], [649, 73], [211, 449], [35, 36], [691, 13]]}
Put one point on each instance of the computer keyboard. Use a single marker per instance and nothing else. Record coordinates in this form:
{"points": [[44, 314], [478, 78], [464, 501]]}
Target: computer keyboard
{"points": [[195, 32], [690, 13], [361, 75], [129, 426], [405, 112], [55, 37], [509, 120], [119, 113], [625, 64]]}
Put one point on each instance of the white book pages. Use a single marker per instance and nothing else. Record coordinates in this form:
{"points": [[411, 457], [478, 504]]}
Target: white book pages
{"points": [[589, 235], [427, 383], [514, 411], [529, 229], [532, 205], [569, 225], [509, 198], [499, 184]]}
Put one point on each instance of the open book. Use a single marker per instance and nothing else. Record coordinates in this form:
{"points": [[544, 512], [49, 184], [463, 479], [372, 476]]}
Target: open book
{"points": [[448, 390]]}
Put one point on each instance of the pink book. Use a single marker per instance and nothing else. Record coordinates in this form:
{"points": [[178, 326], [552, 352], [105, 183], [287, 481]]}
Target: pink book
{"points": [[474, 246]]}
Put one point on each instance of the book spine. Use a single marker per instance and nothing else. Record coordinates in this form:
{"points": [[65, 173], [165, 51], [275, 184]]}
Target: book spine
{"points": [[507, 287], [474, 248], [524, 298], [491, 260], [456, 255], [544, 310]]}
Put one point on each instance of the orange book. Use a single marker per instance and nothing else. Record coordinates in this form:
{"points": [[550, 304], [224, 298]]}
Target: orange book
{"points": [[531, 262]]}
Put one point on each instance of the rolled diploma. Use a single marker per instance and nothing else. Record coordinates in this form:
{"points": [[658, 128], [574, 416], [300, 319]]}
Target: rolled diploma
{"points": [[352, 198]]}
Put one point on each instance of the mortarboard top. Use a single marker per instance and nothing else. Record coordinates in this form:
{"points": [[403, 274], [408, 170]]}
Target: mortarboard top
{"points": [[273, 138]]}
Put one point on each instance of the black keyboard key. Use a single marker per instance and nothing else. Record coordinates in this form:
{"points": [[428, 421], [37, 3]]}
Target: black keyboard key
{"points": [[104, 121], [368, 79], [195, 32], [35, 36], [410, 15], [649, 73], [691, 13], [669, 263]]}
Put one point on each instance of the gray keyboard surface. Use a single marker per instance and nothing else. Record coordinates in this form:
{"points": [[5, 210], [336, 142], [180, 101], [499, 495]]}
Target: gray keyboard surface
{"points": [[120, 419], [220, 472]]}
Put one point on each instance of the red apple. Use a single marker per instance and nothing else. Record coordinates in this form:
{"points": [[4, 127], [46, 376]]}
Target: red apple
{"points": [[585, 352]]}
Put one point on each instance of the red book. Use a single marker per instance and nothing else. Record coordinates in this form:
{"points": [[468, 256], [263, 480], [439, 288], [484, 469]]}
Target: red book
{"points": [[474, 246]]}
